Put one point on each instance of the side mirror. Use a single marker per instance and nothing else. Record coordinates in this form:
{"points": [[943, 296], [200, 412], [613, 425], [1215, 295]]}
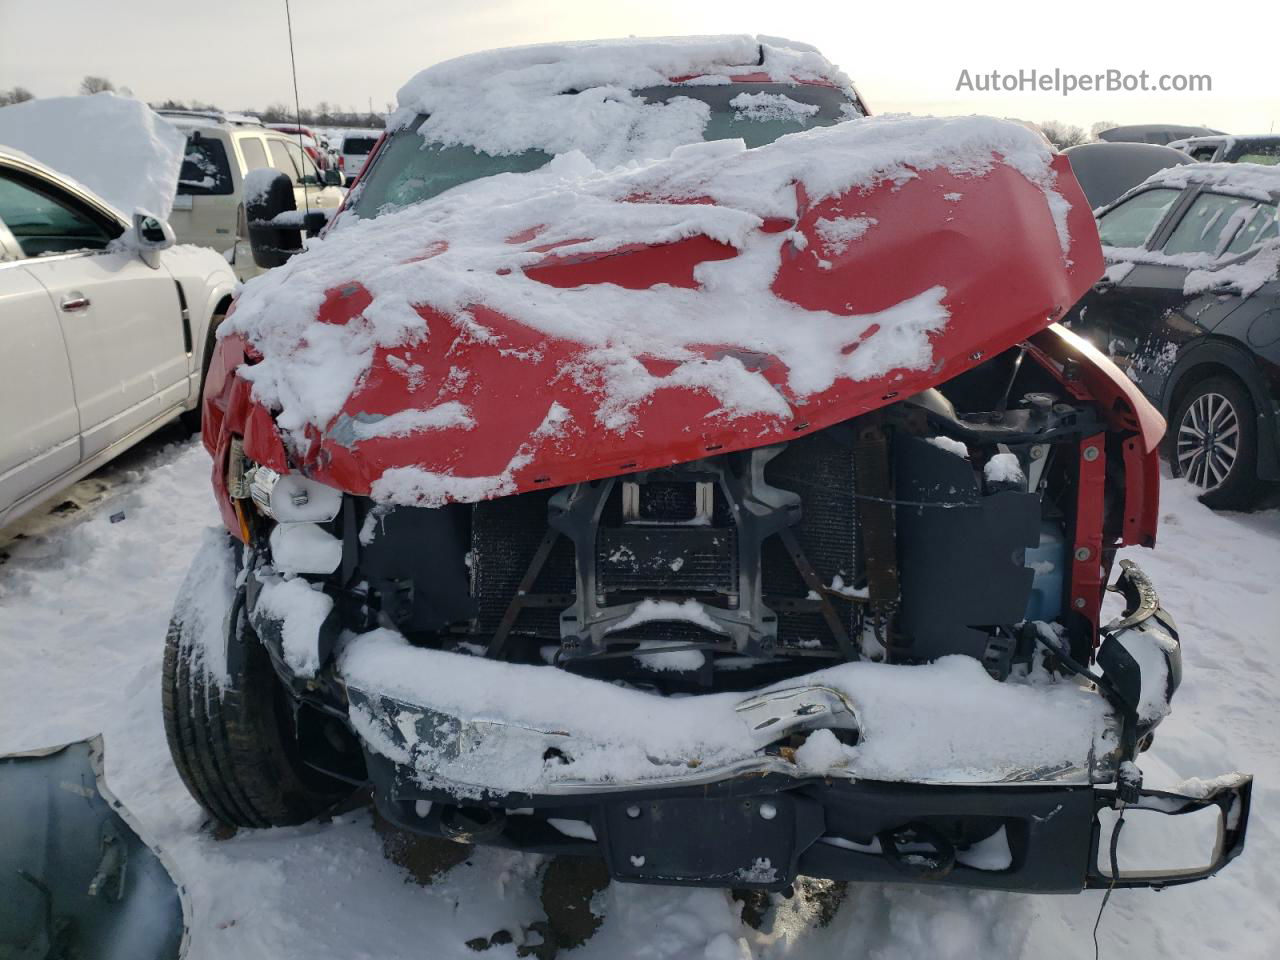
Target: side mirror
{"points": [[332, 177], [268, 194], [315, 221], [152, 233]]}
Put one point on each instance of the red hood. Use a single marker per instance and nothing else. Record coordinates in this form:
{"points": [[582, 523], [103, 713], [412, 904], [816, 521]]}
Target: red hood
{"points": [[528, 422]]}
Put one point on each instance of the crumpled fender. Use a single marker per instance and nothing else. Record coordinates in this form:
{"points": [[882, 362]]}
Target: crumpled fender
{"points": [[998, 255]]}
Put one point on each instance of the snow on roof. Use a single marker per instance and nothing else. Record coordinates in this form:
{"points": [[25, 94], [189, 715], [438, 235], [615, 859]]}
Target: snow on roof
{"points": [[1254, 180], [467, 248], [577, 96], [118, 147]]}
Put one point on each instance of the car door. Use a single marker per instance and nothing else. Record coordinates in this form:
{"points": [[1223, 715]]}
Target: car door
{"points": [[318, 195], [1139, 313], [1161, 316], [39, 426], [121, 320], [1117, 313], [309, 190]]}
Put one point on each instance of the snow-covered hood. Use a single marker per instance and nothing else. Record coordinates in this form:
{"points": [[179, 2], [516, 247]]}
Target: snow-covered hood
{"points": [[117, 147], [541, 329]]}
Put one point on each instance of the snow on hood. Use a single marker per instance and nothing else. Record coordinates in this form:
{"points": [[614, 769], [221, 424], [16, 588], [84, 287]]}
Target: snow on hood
{"points": [[1254, 180], [118, 147], [578, 96], [477, 259]]}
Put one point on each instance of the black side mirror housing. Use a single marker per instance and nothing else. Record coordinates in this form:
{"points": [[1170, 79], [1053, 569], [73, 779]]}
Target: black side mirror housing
{"points": [[267, 195], [333, 177], [315, 221]]}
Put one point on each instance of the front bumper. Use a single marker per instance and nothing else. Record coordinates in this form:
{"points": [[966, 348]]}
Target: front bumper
{"points": [[458, 761], [765, 831]]}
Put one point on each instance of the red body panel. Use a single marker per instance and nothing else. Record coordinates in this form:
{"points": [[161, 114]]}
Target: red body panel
{"points": [[997, 254]]}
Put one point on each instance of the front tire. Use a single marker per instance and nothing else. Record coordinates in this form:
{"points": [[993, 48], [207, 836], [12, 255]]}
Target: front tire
{"points": [[1213, 443], [232, 737]]}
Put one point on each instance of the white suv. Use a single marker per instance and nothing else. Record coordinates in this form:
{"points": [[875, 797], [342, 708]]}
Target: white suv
{"points": [[107, 330], [354, 151], [221, 151]]}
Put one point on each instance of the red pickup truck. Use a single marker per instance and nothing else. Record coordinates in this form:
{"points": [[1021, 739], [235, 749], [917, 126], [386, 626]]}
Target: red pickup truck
{"points": [[660, 459]]}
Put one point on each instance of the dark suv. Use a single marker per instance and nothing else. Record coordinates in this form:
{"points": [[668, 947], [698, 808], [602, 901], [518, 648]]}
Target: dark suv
{"points": [[1190, 308]]}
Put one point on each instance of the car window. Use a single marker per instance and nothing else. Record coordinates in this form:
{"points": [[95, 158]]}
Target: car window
{"points": [[1132, 222], [43, 222], [1259, 227], [357, 145], [1268, 156], [1208, 225], [281, 160], [1203, 154], [205, 170], [255, 157], [409, 170], [309, 172]]}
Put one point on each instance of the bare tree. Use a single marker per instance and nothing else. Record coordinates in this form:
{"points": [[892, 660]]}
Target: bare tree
{"points": [[1100, 126], [15, 95], [96, 85], [1062, 135], [277, 113]]}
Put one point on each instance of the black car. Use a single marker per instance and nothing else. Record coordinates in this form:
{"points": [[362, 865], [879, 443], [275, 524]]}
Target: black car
{"points": [[1154, 133], [1106, 171], [1190, 308]]}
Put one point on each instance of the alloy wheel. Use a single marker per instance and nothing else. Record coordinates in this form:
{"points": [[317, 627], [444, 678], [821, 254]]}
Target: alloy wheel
{"points": [[1208, 441]]}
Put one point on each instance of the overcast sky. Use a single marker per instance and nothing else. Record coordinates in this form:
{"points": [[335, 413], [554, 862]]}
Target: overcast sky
{"points": [[904, 56]]}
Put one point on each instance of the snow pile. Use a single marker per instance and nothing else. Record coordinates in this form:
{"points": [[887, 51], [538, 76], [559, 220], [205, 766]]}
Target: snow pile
{"points": [[204, 599], [257, 184], [1243, 277], [1254, 180], [565, 97], [838, 232], [1205, 271], [301, 610], [1003, 468], [931, 723], [687, 611], [118, 147], [770, 106], [466, 251], [406, 422], [958, 447]]}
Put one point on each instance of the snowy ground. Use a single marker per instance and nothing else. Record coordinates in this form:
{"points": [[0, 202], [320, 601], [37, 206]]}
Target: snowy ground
{"points": [[83, 607]]}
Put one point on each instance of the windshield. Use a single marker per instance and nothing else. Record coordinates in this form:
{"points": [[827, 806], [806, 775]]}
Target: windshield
{"points": [[409, 170]]}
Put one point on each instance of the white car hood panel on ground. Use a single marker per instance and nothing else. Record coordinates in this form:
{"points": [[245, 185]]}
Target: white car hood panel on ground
{"points": [[118, 147]]}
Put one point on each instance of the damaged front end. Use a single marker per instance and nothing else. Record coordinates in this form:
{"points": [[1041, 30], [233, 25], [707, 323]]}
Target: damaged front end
{"points": [[870, 653], [725, 561]]}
